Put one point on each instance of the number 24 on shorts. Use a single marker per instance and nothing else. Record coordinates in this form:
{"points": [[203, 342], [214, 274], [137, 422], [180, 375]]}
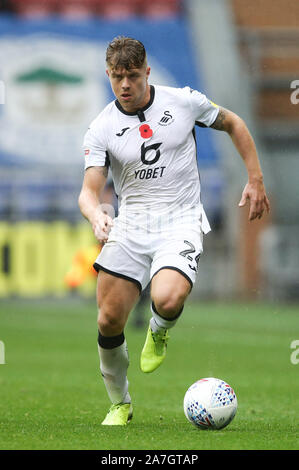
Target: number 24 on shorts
{"points": [[187, 254]]}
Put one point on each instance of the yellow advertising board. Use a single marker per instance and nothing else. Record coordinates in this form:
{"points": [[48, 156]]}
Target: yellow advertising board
{"points": [[36, 257]]}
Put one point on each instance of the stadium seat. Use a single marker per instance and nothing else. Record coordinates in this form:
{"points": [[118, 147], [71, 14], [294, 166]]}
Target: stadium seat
{"points": [[76, 9], [161, 9], [117, 9], [34, 8], [266, 13]]}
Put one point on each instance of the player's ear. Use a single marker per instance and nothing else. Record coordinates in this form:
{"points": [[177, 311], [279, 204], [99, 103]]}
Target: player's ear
{"points": [[148, 71], [107, 72]]}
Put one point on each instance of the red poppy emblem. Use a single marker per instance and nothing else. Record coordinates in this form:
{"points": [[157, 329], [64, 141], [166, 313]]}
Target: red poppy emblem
{"points": [[145, 131]]}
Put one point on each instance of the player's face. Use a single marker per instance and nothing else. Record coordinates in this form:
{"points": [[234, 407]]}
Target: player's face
{"points": [[130, 86]]}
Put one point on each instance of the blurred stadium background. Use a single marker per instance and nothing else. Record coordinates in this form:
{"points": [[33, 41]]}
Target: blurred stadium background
{"points": [[242, 55]]}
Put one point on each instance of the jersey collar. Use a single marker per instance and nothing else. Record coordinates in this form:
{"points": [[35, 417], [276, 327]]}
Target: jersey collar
{"points": [[139, 112]]}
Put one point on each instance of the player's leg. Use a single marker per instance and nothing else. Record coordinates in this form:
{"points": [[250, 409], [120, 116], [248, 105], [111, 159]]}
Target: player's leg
{"points": [[173, 272], [116, 297], [169, 290], [140, 311]]}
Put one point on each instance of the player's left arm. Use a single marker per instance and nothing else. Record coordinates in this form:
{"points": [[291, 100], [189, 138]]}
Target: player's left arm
{"points": [[254, 190]]}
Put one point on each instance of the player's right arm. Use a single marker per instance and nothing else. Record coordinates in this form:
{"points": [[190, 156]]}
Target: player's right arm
{"points": [[89, 201]]}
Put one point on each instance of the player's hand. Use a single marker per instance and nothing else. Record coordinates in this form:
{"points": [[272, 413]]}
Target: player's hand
{"points": [[101, 226], [255, 193]]}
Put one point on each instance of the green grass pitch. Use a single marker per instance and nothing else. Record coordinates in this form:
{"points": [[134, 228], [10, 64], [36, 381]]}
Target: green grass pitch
{"points": [[52, 395]]}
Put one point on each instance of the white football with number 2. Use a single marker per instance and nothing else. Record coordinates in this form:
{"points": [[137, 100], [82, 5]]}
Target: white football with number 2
{"points": [[210, 403]]}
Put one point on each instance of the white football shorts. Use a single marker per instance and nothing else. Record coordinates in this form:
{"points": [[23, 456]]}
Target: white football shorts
{"points": [[137, 255]]}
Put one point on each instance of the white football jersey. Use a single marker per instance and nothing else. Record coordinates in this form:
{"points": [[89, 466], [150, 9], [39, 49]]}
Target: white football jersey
{"points": [[152, 152]]}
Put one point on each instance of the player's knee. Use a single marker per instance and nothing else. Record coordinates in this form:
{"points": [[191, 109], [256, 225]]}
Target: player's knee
{"points": [[169, 305], [109, 324]]}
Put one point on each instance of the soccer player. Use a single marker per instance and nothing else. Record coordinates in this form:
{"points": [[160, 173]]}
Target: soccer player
{"points": [[146, 136]]}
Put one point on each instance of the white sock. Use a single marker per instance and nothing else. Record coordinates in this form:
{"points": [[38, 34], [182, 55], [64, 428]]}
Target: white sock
{"points": [[159, 324], [114, 363]]}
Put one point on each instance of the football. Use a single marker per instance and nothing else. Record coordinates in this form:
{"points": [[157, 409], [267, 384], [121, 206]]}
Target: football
{"points": [[210, 403]]}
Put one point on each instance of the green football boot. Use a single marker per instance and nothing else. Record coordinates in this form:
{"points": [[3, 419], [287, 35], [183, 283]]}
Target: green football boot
{"points": [[154, 350], [119, 415]]}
